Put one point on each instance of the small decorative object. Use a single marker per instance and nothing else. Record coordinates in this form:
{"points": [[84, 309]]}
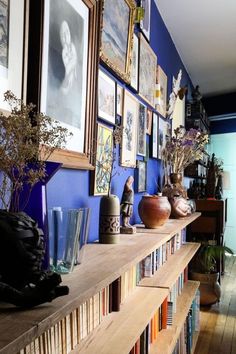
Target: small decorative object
{"points": [[182, 149], [213, 174], [68, 231], [106, 97], [196, 95], [117, 27], [154, 210], [126, 207], [174, 94], [180, 207], [109, 219]]}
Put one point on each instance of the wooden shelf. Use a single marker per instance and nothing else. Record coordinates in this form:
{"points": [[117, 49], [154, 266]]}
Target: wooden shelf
{"points": [[167, 338], [120, 330], [101, 265], [168, 273]]}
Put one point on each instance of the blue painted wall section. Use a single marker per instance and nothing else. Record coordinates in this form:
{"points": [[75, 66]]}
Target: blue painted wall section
{"points": [[70, 188]]}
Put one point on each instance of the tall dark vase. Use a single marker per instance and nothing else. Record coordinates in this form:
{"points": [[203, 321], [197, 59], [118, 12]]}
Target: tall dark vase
{"points": [[36, 207]]}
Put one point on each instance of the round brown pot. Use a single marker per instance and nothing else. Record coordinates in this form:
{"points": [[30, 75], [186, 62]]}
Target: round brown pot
{"points": [[210, 290], [154, 210]]}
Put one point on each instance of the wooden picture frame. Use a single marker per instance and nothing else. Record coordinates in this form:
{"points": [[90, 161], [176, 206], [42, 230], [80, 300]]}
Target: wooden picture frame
{"points": [[147, 71], [154, 139], [106, 97], [129, 136], [103, 160], [12, 41], [50, 22], [117, 27], [145, 22], [161, 91], [119, 99], [141, 176], [135, 63], [141, 133], [149, 121]]}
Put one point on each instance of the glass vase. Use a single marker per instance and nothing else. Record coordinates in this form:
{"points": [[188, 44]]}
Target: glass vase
{"points": [[68, 232]]}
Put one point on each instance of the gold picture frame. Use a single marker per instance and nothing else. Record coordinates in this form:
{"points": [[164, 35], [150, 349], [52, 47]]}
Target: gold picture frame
{"points": [[118, 15]]}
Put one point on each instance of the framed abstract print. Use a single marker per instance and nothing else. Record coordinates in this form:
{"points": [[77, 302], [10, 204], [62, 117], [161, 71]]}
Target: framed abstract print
{"points": [[129, 136], [12, 13], [135, 63], [103, 164], [147, 71], [119, 99], [145, 22], [142, 120], [163, 134], [66, 35], [106, 97], [154, 139], [149, 121], [117, 35], [161, 91], [142, 176]]}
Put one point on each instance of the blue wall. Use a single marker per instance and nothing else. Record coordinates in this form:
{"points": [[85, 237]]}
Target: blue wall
{"points": [[70, 188]]}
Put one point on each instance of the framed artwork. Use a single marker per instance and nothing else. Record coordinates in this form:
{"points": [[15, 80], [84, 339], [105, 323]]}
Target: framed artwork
{"points": [[66, 87], [147, 71], [163, 134], [161, 91], [12, 15], [145, 23], [117, 34], [129, 136], [142, 119], [103, 165], [106, 97], [149, 121], [119, 99], [141, 176], [135, 63], [154, 140]]}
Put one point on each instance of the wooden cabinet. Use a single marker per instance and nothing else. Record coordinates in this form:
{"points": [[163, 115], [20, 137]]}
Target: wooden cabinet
{"points": [[27, 331]]}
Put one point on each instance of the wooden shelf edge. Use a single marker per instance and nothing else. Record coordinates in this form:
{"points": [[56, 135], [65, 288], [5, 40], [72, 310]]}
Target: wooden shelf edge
{"points": [[167, 338], [195, 339], [168, 273], [120, 330]]}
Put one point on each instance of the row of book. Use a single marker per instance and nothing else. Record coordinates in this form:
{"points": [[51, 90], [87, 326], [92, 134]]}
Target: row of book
{"points": [[185, 342]]}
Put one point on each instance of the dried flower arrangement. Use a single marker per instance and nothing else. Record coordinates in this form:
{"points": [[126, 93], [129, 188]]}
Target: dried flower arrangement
{"points": [[27, 140], [183, 148]]}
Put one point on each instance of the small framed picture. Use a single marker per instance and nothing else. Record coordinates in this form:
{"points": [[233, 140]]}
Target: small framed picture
{"points": [[106, 97], [141, 176], [163, 134], [145, 22], [119, 99], [154, 139], [129, 136], [142, 120], [161, 91], [149, 122], [135, 63]]}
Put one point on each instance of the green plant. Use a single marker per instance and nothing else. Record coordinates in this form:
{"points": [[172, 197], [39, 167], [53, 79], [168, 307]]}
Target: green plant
{"points": [[27, 140], [206, 259]]}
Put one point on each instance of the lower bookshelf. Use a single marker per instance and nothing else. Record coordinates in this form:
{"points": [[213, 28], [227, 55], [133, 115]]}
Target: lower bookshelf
{"points": [[167, 338]]}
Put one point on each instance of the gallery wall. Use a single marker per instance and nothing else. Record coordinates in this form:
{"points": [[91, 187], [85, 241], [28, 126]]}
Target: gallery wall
{"points": [[70, 187]]}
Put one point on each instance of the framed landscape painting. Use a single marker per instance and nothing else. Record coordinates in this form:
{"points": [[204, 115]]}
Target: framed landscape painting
{"points": [[161, 91], [129, 136], [142, 120], [117, 34], [147, 71], [12, 15], [66, 88], [103, 164], [106, 97]]}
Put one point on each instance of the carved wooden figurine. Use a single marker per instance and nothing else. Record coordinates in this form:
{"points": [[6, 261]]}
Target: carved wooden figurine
{"points": [[126, 207]]}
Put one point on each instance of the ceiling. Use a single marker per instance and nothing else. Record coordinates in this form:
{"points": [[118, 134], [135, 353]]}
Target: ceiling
{"points": [[204, 33]]}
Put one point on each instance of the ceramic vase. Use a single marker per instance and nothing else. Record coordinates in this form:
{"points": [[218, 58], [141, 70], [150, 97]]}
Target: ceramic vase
{"points": [[109, 219], [154, 210]]}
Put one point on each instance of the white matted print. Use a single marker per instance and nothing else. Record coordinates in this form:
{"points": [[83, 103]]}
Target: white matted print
{"points": [[154, 140], [129, 136], [145, 22], [11, 42], [106, 97], [142, 122], [135, 63], [64, 66], [147, 71], [119, 99]]}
